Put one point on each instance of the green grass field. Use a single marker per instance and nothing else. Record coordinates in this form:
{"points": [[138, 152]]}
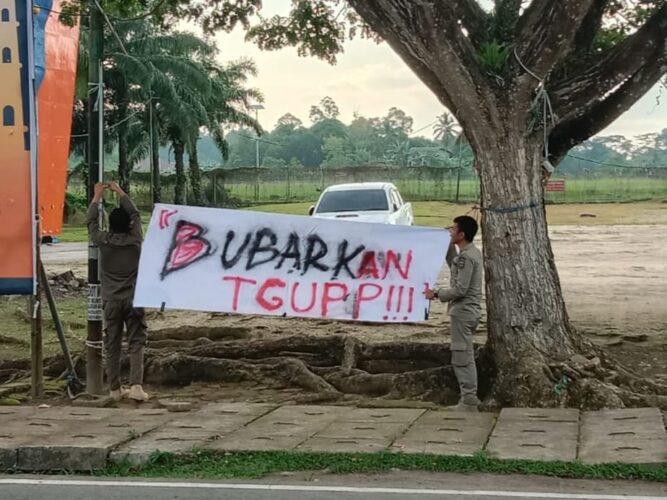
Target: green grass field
{"points": [[440, 214], [577, 190], [15, 326], [307, 187]]}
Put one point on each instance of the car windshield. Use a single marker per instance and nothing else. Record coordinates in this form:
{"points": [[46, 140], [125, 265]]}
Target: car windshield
{"points": [[355, 200]]}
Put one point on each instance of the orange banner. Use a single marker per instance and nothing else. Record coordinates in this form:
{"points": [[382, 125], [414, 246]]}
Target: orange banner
{"points": [[55, 103]]}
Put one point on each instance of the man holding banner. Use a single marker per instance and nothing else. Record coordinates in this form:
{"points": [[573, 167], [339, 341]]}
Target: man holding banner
{"points": [[120, 248], [464, 296]]}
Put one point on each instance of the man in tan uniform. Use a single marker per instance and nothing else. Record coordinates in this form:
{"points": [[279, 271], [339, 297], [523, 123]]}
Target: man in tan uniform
{"points": [[120, 248], [464, 296]]}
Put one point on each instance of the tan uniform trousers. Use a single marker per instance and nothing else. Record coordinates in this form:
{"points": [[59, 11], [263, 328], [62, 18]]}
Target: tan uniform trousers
{"points": [[463, 355], [119, 314]]}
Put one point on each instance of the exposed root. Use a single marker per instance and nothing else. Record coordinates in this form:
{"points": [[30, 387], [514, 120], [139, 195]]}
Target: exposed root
{"points": [[590, 381], [337, 366], [331, 366], [177, 369]]}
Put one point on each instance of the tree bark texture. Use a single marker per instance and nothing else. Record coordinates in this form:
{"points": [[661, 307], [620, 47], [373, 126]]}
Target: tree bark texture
{"points": [[528, 324]]}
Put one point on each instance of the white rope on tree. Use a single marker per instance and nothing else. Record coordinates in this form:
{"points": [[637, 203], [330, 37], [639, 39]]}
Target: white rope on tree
{"points": [[547, 111]]}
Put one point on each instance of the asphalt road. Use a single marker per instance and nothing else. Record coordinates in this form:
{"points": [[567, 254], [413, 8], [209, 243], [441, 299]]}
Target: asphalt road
{"points": [[65, 253], [102, 489]]}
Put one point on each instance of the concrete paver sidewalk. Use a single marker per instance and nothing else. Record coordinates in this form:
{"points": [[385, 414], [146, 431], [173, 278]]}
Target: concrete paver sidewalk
{"points": [[35, 439]]}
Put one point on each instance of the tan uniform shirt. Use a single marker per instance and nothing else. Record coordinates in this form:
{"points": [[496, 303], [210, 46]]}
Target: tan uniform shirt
{"points": [[119, 252], [465, 286]]}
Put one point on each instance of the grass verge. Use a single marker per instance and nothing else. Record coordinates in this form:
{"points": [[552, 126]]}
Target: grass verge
{"points": [[205, 464], [15, 326]]}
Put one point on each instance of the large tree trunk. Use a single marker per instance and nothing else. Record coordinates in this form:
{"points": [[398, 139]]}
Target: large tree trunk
{"points": [[179, 189], [540, 359], [195, 175], [528, 325]]}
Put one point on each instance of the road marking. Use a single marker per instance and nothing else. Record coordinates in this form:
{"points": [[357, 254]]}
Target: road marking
{"points": [[323, 489]]}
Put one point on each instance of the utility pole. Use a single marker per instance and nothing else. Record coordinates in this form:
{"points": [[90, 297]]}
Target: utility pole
{"points": [[94, 380], [36, 341]]}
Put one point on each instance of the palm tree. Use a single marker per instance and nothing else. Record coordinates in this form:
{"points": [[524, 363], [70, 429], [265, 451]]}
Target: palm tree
{"points": [[149, 60], [164, 86], [227, 104], [181, 111], [153, 63], [446, 128], [192, 94]]}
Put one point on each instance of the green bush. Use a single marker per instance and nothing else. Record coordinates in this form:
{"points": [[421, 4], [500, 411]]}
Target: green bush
{"points": [[74, 204]]}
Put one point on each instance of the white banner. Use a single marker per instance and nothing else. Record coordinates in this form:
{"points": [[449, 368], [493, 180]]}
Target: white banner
{"points": [[209, 259]]}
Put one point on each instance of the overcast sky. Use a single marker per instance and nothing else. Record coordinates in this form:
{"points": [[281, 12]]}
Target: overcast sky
{"points": [[369, 79]]}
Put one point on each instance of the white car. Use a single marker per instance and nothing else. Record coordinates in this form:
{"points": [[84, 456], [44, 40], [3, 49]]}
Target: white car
{"points": [[378, 202]]}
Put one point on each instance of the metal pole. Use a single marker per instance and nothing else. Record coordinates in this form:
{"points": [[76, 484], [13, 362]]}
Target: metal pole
{"points": [[36, 342], [55, 317], [94, 380]]}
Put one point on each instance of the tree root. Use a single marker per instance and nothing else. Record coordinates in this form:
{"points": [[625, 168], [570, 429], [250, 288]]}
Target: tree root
{"points": [[177, 369], [590, 380], [339, 365], [332, 366]]}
